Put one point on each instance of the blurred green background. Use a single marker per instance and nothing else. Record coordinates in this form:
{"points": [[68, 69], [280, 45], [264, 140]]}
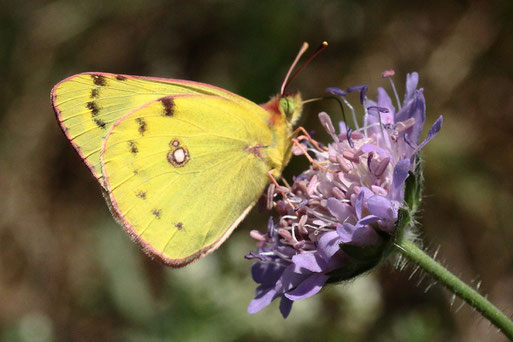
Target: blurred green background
{"points": [[68, 272]]}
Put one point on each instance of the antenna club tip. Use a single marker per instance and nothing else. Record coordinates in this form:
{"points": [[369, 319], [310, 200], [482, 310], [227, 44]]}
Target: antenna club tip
{"points": [[324, 43]]}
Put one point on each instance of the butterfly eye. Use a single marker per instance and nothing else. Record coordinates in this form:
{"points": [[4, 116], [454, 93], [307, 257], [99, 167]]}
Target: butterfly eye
{"points": [[288, 107]]}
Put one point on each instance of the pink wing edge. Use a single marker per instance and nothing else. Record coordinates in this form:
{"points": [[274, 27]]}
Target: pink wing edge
{"points": [[129, 229], [53, 98]]}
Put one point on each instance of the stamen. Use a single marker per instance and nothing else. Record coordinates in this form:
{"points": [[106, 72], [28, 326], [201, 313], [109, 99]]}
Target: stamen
{"points": [[312, 185], [404, 125], [299, 245], [361, 88], [380, 110], [382, 166], [388, 74], [339, 93], [339, 194], [336, 91], [270, 227], [255, 234], [325, 120], [255, 255], [285, 234], [351, 157], [349, 140], [270, 195], [302, 205], [342, 164], [369, 161], [302, 221]]}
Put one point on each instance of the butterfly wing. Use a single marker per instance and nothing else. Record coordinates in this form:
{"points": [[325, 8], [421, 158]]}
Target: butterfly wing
{"points": [[88, 104], [184, 170]]}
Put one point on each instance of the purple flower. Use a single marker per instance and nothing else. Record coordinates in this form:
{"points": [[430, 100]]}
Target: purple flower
{"points": [[341, 213]]}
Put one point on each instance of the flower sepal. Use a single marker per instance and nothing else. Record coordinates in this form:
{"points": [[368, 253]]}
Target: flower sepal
{"points": [[413, 186], [363, 258]]}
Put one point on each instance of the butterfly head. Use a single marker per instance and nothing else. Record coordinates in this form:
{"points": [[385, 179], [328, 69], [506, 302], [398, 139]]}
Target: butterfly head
{"points": [[284, 109], [290, 106]]}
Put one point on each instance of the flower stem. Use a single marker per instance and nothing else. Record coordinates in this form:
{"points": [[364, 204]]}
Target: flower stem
{"points": [[415, 254]]}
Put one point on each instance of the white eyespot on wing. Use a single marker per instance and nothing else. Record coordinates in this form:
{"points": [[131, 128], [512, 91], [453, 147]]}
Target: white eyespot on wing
{"points": [[179, 155]]}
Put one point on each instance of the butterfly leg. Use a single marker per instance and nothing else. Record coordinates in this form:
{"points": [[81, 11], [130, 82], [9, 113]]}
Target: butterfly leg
{"points": [[275, 187], [306, 136]]}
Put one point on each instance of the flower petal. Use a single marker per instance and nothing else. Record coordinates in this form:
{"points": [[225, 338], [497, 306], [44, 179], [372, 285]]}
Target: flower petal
{"points": [[433, 131], [366, 148], [382, 207], [261, 301], [327, 244], [365, 236], [412, 80], [400, 174], [266, 273], [385, 102], [308, 261], [308, 287], [367, 220], [345, 232], [285, 306], [362, 197], [415, 109], [339, 209]]}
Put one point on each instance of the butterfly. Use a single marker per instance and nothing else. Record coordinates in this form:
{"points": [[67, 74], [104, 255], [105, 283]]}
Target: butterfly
{"points": [[180, 163]]}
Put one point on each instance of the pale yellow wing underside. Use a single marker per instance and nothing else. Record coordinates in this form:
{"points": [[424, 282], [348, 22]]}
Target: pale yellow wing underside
{"points": [[88, 104], [184, 170]]}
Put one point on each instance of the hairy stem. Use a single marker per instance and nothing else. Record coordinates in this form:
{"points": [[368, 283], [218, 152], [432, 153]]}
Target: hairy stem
{"points": [[415, 254]]}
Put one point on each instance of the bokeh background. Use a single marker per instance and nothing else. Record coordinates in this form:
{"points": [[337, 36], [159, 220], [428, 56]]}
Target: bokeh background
{"points": [[69, 273]]}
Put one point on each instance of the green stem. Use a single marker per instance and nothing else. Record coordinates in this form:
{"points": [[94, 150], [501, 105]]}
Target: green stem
{"points": [[458, 287]]}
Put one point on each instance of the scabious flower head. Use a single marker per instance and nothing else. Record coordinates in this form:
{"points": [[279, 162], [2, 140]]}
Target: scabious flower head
{"points": [[341, 214]]}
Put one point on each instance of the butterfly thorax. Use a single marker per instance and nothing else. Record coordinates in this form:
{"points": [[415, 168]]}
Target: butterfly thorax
{"points": [[284, 112]]}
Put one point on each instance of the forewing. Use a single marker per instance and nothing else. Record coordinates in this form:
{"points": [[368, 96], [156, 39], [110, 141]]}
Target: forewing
{"points": [[183, 171], [87, 105]]}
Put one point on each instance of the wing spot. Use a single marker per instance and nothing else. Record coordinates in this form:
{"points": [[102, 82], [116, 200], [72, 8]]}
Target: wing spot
{"points": [[142, 125], [256, 151], [133, 147], [141, 194], [169, 106], [157, 213], [99, 80], [178, 155], [121, 78], [100, 123], [95, 92], [93, 107], [179, 225]]}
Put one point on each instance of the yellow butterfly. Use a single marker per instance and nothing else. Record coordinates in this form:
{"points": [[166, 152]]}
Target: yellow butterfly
{"points": [[181, 163]]}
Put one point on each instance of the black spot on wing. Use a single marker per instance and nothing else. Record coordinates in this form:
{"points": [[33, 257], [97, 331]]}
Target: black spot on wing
{"points": [[133, 147], [100, 123], [179, 225], [156, 213], [169, 105], [142, 125], [120, 77], [95, 92], [141, 194], [99, 80], [93, 107]]}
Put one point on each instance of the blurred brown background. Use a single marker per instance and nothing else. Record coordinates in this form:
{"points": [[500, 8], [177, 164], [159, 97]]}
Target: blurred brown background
{"points": [[68, 272]]}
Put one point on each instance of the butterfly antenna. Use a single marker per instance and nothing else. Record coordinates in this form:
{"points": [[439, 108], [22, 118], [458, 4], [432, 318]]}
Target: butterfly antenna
{"points": [[301, 52], [288, 80]]}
